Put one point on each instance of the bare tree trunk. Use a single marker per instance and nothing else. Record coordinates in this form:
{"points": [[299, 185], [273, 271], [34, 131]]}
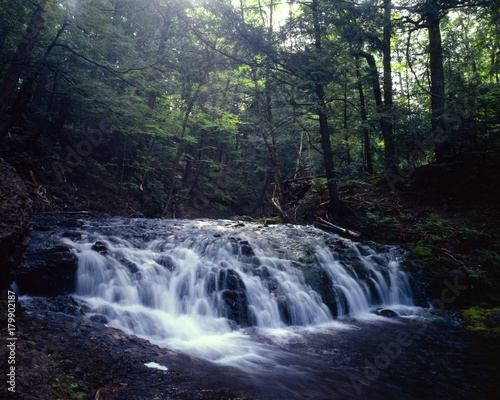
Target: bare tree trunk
{"points": [[366, 131], [334, 207], [441, 143], [271, 145], [346, 136], [390, 155], [385, 123], [180, 148]]}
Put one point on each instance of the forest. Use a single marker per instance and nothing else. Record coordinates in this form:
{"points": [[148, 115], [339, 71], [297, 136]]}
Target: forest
{"points": [[216, 104], [377, 120]]}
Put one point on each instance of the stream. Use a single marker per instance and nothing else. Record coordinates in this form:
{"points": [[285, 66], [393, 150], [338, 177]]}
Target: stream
{"points": [[271, 312]]}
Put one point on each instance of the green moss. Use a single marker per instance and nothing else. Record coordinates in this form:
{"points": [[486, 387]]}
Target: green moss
{"points": [[63, 389], [482, 320], [421, 252], [220, 208]]}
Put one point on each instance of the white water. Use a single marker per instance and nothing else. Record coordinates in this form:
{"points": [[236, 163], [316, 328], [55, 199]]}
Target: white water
{"points": [[176, 284]]}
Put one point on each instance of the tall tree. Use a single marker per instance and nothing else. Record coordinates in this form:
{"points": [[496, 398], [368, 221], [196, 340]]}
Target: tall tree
{"points": [[387, 130], [334, 207], [20, 59]]}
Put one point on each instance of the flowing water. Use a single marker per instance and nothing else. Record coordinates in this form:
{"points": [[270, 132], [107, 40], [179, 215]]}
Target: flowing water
{"points": [[278, 312], [214, 289]]}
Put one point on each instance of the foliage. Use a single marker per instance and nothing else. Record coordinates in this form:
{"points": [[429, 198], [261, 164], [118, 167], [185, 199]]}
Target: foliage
{"points": [[63, 389], [208, 98], [438, 230]]}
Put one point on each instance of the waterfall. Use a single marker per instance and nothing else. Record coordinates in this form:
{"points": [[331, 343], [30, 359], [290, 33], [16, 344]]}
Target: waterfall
{"points": [[201, 286]]}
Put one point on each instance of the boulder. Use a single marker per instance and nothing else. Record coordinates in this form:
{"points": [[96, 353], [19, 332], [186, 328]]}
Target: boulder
{"points": [[15, 222], [386, 312], [48, 272], [234, 296]]}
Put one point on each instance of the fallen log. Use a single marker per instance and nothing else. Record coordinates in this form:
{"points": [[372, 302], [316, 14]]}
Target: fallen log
{"points": [[345, 233]]}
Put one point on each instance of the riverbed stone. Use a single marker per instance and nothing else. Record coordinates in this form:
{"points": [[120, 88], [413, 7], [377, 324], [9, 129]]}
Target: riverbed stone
{"points": [[48, 272]]}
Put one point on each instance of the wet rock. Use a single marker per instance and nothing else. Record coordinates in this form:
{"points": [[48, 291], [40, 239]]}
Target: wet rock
{"points": [[48, 273], [166, 261], [262, 272], [210, 282], [131, 266], [320, 282], [72, 235], [15, 222], [70, 223], [236, 306], [59, 304], [99, 318], [229, 279], [100, 247], [283, 309], [246, 249], [386, 312]]}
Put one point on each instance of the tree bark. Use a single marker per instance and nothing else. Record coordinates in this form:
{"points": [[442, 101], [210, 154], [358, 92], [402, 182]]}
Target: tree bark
{"points": [[389, 150], [20, 59], [366, 131], [334, 206], [441, 143], [180, 148], [385, 123]]}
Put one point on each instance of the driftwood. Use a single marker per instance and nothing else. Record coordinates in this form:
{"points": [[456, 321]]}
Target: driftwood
{"points": [[306, 178], [328, 226], [276, 203], [65, 212]]}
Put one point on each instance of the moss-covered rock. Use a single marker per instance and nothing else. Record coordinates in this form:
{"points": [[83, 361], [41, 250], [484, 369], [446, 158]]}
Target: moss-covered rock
{"points": [[482, 320]]}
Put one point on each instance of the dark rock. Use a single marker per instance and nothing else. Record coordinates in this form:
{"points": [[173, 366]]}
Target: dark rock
{"points": [[131, 266], [236, 306], [15, 222], [262, 272], [386, 312], [70, 223], [246, 249], [283, 309], [166, 261], [229, 279], [210, 282], [99, 318], [320, 282], [72, 235], [100, 247], [48, 272]]}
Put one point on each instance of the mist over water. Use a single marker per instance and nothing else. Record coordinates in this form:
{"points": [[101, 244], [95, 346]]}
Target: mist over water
{"points": [[230, 293]]}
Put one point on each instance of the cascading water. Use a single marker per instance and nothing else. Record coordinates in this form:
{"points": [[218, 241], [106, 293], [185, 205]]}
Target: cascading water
{"points": [[202, 287]]}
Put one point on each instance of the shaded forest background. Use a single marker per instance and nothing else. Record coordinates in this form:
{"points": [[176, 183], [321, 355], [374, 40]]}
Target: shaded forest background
{"points": [[382, 116]]}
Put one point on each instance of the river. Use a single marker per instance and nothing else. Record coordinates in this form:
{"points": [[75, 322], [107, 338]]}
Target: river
{"points": [[287, 312]]}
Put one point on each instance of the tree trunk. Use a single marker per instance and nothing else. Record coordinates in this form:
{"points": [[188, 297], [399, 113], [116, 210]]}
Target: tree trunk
{"points": [[441, 143], [20, 59], [385, 123], [334, 207], [271, 145], [346, 136], [180, 150], [366, 131], [275, 158], [389, 150]]}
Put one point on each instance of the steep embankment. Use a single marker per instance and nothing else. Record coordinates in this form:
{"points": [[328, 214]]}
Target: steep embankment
{"points": [[15, 222]]}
